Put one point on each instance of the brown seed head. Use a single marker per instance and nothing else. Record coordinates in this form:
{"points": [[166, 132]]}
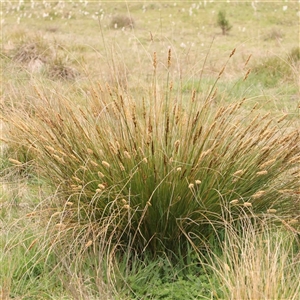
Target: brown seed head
{"points": [[247, 74], [233, 51], [282, 118], [169, 58], [246, 63], [154, 60], [221, 72], [176, 144]]}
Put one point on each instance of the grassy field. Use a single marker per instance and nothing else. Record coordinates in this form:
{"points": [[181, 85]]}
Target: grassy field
{"points": [[147, 155]]}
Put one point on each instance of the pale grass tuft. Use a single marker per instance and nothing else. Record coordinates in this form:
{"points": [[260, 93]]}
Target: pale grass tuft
{"points": [[122, 168], [105, 164], [57, 213], [59, 159], [204, 154], [90, 151], [126, 154], [238, 173], [77, 179], [123, 201], [293, 222], [295, 160], [226, 267], [234, 201], [76, 187], [88, 244], [15, 162], [258, 194], [51, 149], [176, 145], [93, 163], [285, 191], [84, 168], [256, 264], [31, 214], [100, 174], [267, 163], [60, 226], [264, 172], [101, 186]]}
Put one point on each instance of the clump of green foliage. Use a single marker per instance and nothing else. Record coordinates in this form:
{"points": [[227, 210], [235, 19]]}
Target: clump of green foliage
{"points": [[137, 178], [122, 21], [294, 55], [150, 173], [223, 22], [272, 70]]}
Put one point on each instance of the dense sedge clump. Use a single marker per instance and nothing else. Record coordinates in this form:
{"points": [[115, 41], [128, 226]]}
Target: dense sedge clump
{"points": [[154, 170]]}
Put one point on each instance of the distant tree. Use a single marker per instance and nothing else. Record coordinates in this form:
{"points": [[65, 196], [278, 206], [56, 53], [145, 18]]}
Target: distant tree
{"points": [[223, 22]]}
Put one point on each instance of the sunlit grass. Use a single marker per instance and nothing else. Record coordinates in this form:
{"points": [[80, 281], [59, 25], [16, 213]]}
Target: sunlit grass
{"points": [[126, 179]]}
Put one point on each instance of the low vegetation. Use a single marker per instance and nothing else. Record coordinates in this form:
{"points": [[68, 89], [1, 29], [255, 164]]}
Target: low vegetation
{"points": [[223, 22], [165, 183]]}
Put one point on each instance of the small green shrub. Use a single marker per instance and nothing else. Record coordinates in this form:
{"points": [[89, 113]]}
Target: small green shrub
{"points": [[272, 70], [294, 55], [223, 22], [122, 21], [274, 34], [60, 70]]}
